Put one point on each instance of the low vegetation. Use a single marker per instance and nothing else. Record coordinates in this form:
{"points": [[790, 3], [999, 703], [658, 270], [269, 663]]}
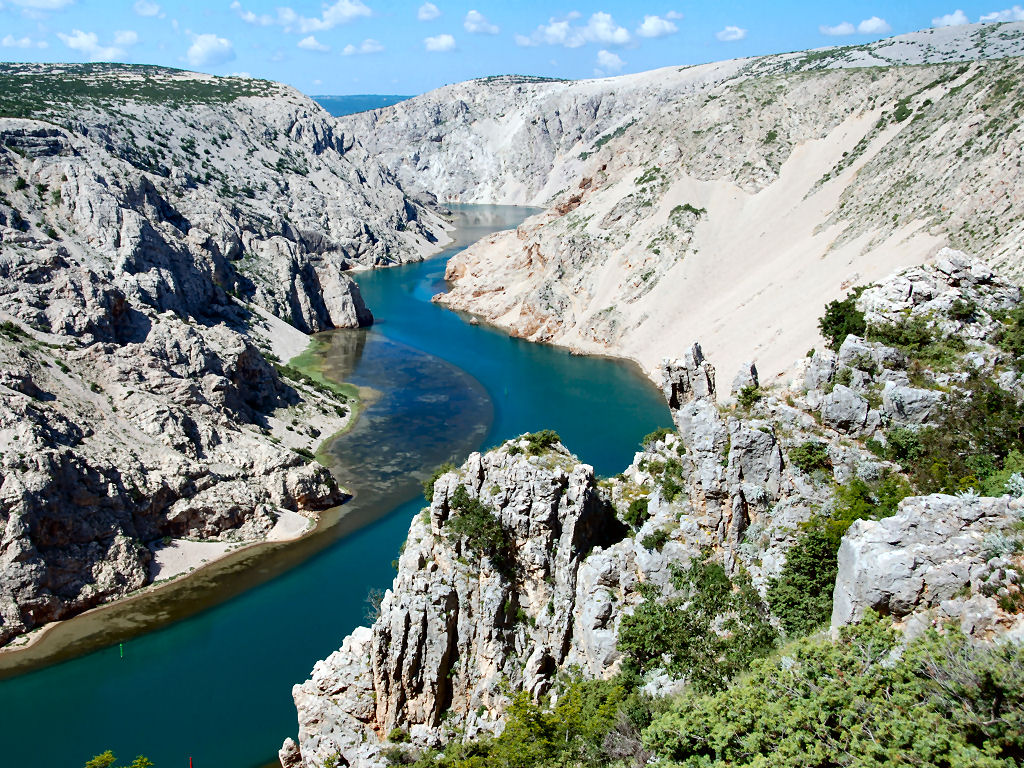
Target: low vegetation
{"points": [[33, 91], [483, 532], [842, 318], [708, 632], [801, 596]]}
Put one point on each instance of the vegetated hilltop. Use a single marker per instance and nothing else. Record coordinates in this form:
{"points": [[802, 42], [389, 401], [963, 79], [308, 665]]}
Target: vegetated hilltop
{"points": [[711, 201], [542, 616], [164, 238]]}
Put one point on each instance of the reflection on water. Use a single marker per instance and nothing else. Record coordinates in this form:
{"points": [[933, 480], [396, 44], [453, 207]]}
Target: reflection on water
{"points": [[428, 412]]}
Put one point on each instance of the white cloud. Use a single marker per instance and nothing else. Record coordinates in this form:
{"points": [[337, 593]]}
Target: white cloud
{"points": [[477, 24], [955, 19], [655, 26], [262, 20], [731, 33], [88, 43], [874, 26], [608, 62], [146, 8], [674, 15], [312, 44], [439, 43], [1010, 14], [208, 50], [10, 41], [341, 12], [428, 12], [600, 28], [369, 45], [843, 28], [126, 37]]}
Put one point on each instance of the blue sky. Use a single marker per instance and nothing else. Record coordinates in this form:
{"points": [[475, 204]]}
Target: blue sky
{"points": [[378, 46]]}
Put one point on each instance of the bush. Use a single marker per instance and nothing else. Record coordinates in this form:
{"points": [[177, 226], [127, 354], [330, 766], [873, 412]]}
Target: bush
{"points": [[656, 540], [916, 340], [842, 318], [980, 425], [540, 442], [941, 703], [637, 513], [20, 184], [810, 456], [748, 396], [1010, 337], [475, 522], [107, 760], [708, 633], [801, 595], [652, 437], [962, 311], [428, 485]]}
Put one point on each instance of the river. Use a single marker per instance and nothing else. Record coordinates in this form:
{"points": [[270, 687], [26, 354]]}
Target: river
{"points": [[216, 685]]}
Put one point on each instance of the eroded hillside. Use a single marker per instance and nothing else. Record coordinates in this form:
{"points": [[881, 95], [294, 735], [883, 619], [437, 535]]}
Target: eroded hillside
{"points": [[710, 201]]}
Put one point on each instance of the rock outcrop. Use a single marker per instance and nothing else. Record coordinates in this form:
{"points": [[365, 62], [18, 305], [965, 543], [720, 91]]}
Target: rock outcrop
{"points": [[458, 624], [940, 558], [711, 201], [164, 238]]}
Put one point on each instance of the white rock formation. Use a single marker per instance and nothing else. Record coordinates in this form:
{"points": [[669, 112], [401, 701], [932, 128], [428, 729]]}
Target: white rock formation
{"points": [[940, 558], [727, 201], [157, 229]]}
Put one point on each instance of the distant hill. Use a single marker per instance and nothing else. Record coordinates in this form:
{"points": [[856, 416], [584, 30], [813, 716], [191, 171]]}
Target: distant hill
{"points": [[351, 104]]}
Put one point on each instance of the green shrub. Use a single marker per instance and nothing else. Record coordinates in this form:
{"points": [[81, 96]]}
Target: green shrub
{"points": [[962, 311], [637, 513], [107, 759], [1010, 337], [656, 540], [748, 396], [428, 485], [398, 736], [916, 339], [708, 633], [540, 442], [659, 434], [978, 427], [810, 456], [475, 522], [842, 318], [942, 703], [20, 184], [801, 595]]}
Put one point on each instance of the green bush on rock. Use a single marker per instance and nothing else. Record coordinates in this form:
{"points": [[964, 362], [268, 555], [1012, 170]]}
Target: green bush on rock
{"points": [[708, 633], [942, 703], [476, 523]]}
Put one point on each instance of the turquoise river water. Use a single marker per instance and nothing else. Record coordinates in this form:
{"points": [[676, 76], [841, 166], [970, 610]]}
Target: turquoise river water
{"points": [[215, 685]]}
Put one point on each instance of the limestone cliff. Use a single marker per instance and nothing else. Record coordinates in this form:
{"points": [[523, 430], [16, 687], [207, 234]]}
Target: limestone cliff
{"points": [[464, 625], [164, 238], [710, 201]]}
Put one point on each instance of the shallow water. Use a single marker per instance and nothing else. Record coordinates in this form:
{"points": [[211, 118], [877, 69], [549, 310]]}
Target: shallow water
{"points": [[216, 686]]}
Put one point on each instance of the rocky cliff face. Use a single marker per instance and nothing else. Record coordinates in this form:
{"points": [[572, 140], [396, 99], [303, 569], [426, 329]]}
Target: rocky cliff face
{"points": [[462, 627], [708, 201], [164, 235]]}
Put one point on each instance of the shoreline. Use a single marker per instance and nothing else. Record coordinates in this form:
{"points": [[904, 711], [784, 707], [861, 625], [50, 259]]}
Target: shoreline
{"points": [[186, 561]]}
